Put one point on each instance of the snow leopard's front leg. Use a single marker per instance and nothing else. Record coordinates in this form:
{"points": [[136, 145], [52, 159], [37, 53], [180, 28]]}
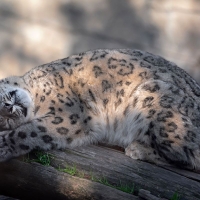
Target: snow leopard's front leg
{"points": [[44, 133]]}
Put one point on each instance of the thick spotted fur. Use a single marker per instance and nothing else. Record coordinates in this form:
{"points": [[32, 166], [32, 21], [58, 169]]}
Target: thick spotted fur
{"points": [[126, 97]]}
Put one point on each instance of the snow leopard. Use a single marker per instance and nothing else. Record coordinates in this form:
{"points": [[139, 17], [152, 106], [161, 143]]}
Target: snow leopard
{"points": [[130, 98]]}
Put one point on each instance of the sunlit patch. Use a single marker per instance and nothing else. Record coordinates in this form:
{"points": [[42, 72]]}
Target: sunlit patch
{"points": [[34, 33]]}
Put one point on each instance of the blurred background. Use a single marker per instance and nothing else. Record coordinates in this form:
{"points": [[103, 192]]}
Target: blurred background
{"points": [[35, 32]]}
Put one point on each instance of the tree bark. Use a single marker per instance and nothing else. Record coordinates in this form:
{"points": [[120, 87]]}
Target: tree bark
{"points": [[34, 181]]}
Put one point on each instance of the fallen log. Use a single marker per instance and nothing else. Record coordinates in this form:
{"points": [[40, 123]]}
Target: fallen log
{"points": [[99, 174], [6, 198]]}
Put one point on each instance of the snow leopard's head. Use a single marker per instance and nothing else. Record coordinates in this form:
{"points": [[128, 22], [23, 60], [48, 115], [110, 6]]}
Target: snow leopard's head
{"points": [[15, 107]]}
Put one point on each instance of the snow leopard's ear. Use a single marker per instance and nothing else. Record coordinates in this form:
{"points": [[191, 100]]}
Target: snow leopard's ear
{"points": [[1, 101], [12, 93]]}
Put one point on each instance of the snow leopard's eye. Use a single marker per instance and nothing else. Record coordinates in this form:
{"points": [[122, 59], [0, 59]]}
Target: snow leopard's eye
{"points": [[8, 104]]}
